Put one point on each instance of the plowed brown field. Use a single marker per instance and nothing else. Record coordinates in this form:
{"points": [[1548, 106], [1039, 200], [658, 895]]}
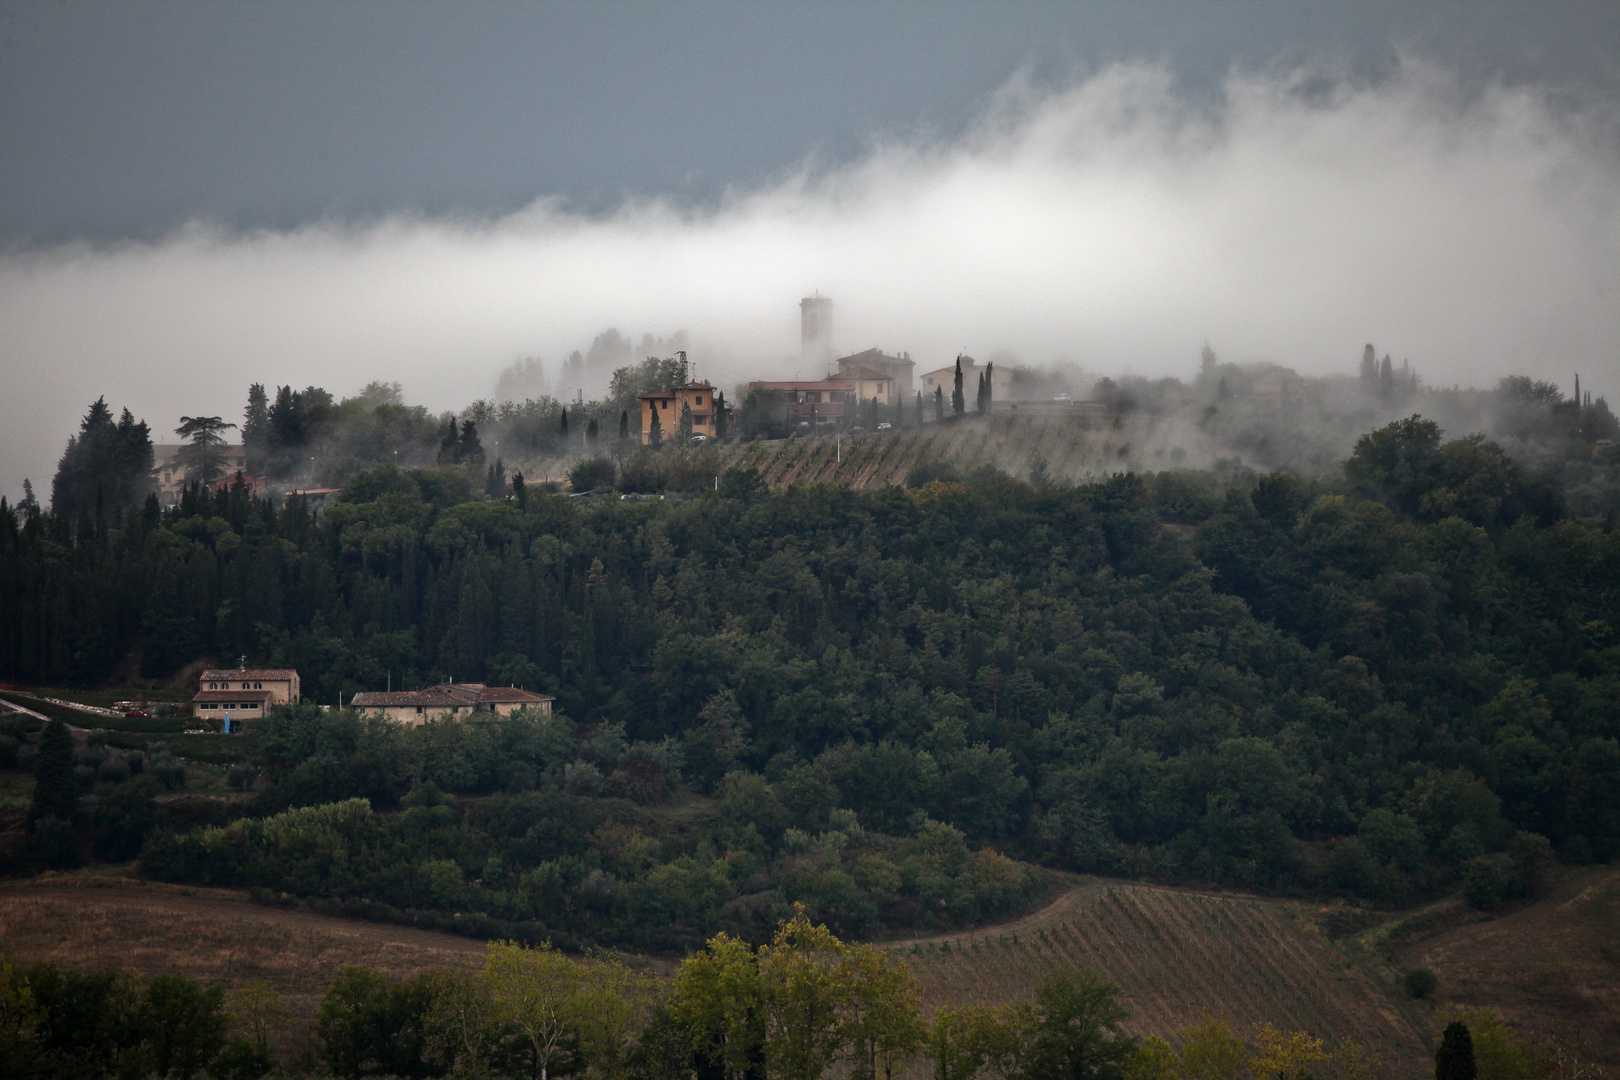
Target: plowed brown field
{"points": [[1176, 953], [1074, 447]]}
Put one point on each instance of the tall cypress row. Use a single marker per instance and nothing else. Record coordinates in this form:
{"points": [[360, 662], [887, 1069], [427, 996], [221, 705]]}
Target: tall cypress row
{"points": [[55, 791]]}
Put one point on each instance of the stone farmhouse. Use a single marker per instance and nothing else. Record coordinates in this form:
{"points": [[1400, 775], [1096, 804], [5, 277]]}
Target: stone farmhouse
{"points": [[448, 701], [231, 695]]}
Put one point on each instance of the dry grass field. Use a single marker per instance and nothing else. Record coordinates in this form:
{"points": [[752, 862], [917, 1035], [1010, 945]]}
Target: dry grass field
{"points": [[216, 935], [1551, 969], [1176, 953]]}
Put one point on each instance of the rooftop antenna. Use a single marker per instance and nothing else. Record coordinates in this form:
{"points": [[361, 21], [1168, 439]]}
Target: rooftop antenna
{"points": [[244, 663]]}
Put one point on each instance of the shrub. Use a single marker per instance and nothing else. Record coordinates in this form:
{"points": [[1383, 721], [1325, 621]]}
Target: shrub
{"points": [[1420, 982], [241, 777], [1532, 857], [170, 771], [8, 751], [1482, 883], [590, 474], [56, 841], [114, 770]]}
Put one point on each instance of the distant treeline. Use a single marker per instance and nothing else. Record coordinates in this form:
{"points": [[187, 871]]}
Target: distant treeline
{"points": [[1379, 686]]}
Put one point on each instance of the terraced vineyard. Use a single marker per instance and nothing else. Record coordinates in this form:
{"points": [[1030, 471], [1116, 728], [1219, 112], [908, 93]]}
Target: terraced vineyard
{"points": [[1176, 954], [1074, 446]]}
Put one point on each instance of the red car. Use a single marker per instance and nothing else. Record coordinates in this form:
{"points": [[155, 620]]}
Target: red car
{"points": [[137, 714]]}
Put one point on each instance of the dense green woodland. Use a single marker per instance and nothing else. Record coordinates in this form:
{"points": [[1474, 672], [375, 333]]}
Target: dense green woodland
{"points": [[1377, 687]]}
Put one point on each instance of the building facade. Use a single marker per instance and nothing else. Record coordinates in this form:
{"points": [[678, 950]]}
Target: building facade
{"points": [[449, 701], [171, 474], [669, 405], [244, 693], [817, 403], [897, 368], [945, 378]]}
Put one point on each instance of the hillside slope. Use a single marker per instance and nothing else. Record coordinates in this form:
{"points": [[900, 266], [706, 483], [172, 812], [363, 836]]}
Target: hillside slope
{"points": [[1074, 446], [1176, 953], [1551, 969]]}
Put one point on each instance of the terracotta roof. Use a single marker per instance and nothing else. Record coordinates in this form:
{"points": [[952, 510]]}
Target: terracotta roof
{"points": [[232, 695], [500, 694], [249, 673], [831, 383], [694, 386], [879, 355], [480, 692], [428, 699], [864, 373]]}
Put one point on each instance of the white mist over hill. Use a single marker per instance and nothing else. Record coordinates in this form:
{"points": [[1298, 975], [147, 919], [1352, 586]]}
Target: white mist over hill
{"points": [[1475, 231]]}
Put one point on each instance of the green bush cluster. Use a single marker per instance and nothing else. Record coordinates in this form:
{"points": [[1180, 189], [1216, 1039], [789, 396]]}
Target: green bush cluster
{"points": [[577, 869], [56, 1024]]}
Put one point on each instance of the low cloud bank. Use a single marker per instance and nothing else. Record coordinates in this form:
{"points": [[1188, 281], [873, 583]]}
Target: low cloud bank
{"points": [[1109, 223]]}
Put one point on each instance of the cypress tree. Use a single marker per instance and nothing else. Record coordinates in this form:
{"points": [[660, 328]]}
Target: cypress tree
{"points": [[958, 402], [468, 448], [256, 429], [939, 404], [1454, 1060], [449, 445], [624, 424], [562, 425], [56, 793]]}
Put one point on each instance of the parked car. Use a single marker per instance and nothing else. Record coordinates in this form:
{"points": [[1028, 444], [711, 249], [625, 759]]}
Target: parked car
{"points": [[137, 714], [697, 439], [885, 426]]}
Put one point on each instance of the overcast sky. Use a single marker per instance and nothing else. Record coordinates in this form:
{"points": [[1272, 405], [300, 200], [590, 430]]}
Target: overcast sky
{"points": [[196, 196]]}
